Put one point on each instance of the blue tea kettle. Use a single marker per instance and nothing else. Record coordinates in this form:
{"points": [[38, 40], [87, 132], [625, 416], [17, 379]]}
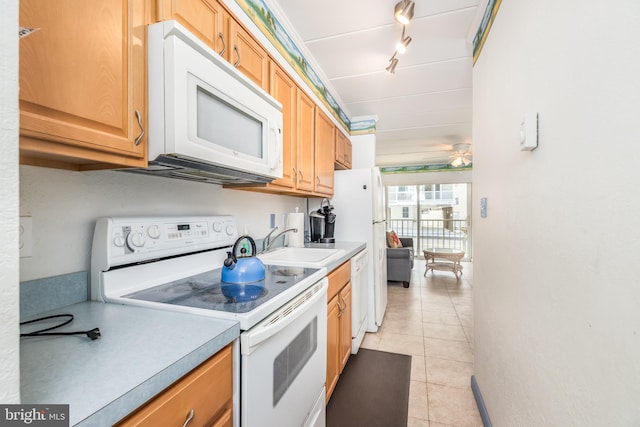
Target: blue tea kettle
{"points": [[245, 268]]}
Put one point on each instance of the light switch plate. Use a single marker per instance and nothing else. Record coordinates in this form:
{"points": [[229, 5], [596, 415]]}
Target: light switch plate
{"points": [[529, 132], [483, 207]]}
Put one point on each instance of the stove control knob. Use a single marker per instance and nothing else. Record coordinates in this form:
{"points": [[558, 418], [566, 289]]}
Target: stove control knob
{"points": [[217, 226], [135, 239], [118, 240], [153, 231], [230, 230]]}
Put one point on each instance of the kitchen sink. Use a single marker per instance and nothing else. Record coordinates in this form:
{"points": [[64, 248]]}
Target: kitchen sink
{"points": [[301, 257]]}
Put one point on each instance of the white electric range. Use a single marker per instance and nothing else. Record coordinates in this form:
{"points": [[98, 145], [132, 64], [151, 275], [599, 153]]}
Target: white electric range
{"points": [[175, 263]]}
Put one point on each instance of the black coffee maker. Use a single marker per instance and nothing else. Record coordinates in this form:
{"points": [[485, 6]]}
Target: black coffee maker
{"points": [[322, 223]]}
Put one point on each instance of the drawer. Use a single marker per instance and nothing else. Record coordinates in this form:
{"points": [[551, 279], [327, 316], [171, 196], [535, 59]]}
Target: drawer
{"points": [[207, 390], [338, 278]]}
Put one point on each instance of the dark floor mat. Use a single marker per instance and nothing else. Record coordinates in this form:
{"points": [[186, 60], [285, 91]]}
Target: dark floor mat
{"points": [[373, 390]]}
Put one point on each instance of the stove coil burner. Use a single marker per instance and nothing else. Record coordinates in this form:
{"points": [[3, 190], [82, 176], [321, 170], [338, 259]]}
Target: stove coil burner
{"points": [[243, 293]]}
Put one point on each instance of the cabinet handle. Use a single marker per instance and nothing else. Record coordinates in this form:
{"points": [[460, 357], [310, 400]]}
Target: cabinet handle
{"points": [[339, 309], [345, 303], [235, 64], [139, 138], [189, 418], [224, 45], [301, 176], [317, 180]]}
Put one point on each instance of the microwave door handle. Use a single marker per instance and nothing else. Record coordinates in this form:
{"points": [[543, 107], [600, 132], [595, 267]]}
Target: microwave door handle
{"points": [[276, 152]]}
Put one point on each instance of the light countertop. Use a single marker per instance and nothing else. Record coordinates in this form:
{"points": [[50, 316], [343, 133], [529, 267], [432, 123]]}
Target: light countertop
{"points": [[350, 249], [140, 353]]}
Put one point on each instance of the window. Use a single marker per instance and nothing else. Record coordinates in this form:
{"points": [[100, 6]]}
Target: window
{"points": [[435, 215]]}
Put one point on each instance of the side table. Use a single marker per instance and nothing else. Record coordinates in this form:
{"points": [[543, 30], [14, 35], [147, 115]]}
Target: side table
{"points": [[447, 260]]}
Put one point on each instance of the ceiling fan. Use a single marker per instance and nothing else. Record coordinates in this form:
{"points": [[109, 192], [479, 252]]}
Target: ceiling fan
{"points": [[461, 155]]}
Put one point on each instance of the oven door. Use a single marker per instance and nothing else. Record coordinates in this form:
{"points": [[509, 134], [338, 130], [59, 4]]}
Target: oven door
{"points": [[283, 365]]}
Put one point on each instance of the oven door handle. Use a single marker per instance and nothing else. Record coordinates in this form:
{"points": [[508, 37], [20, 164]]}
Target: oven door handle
{"points": [[283, 317]]}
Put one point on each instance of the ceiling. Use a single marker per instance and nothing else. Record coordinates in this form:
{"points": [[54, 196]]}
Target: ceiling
{"points": [[422, 109]]}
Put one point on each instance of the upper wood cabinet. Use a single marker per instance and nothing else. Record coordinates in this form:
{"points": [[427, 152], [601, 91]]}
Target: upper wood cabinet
{"points": [[305, 165], [206, 19], [343, 151], [246, 54], [215, 26], [83, 102], [284, 90], [325, 154]]}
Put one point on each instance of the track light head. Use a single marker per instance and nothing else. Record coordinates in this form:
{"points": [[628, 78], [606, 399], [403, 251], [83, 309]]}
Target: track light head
{"points": [[393, 62], [403, 12], [401, 46]]}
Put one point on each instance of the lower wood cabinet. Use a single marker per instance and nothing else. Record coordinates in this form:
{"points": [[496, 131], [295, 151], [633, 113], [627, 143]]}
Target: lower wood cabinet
{"points": [[204, 395], [338, 324]]}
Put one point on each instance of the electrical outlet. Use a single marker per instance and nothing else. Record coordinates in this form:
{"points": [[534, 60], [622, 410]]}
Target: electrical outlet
{"points": [[25, 237], [272, 220]]}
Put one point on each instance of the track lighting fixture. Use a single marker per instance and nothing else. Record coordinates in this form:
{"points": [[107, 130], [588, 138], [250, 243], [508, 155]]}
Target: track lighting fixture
{"points": [[401, 46], [393, 62], [403, 11]]}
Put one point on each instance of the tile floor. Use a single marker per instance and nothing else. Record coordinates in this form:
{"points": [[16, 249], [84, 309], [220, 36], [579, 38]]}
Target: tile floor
{"points": [[432, 321]]}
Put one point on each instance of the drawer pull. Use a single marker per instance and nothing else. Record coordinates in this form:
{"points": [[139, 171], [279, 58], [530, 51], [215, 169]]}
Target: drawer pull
{"points": [[139, 138], [189, 418]]}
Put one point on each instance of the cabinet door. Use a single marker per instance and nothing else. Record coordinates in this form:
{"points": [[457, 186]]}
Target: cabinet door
{"points": [[343, 151], [325, 153], [207, 391], [204, 18], [284, 90], [306, 145], [348, 150], [345, 325], [339, 148], [333, 345], [82, 83], [248, 56], [224, 420]]}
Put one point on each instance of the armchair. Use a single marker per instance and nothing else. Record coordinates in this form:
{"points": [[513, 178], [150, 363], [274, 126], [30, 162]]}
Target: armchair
{"points": [[400, 262]]}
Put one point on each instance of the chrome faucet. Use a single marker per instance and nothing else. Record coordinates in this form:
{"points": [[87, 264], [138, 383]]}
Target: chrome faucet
{"points": [[267, 242]]}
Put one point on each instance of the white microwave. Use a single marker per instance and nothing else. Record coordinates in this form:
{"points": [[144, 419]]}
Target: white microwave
{"points": [[207, 121]]}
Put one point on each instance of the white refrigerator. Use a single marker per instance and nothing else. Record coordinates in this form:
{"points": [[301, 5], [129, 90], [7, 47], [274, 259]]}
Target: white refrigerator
{"points": [[358, 201]]}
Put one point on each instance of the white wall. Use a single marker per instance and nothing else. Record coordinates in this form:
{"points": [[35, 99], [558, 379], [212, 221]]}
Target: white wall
{"points": [[363, 149], [9, 280], [557, 296], [65, 204]]}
